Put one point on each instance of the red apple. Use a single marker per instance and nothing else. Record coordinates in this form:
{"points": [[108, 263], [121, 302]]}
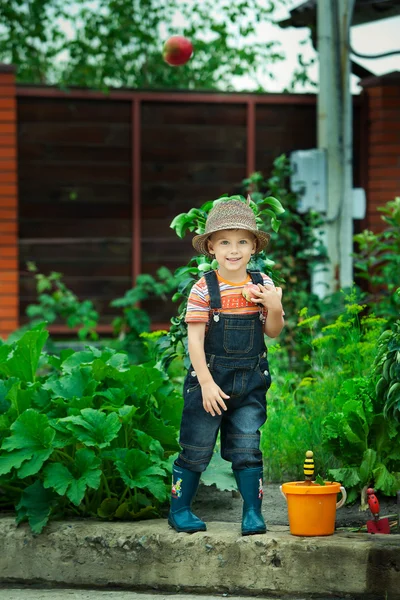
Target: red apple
{"points": [[248, 291], [177, 50]]}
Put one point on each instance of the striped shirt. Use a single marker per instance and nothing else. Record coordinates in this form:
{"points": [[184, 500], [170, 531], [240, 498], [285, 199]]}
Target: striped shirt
{"points": [[198, 307]]}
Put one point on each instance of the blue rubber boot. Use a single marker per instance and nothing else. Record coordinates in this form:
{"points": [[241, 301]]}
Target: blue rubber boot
{"points": [[184, 487], [249, 482]]}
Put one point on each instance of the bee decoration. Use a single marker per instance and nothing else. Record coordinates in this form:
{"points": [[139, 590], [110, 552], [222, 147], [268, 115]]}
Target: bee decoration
{"points": [[309, 466]]}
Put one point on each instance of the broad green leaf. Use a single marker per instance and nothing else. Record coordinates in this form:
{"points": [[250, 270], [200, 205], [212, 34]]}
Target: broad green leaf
{"points": [[58, 477], [32, 434], [85, 473], [204, 266], [13, 460], [165, 434], [276, 205], [35, 506], [73, 406], [149, 444], [40, 398], [348, 476], [115, 396], [219, 473], [21, 400], [5, 387], [354, 425], [119, 361], [157, 488], [386, 482], [93, 428], [78, 359], [23, 358], [138, 471], [102, 371], [180, 223], [170, 405], [275, 224], [30, 430], [142, 381], [74, 385], [367, 465], [126, 413]]}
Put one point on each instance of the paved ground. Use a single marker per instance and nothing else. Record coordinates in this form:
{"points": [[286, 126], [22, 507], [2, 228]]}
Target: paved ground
{"points": [[30, 594]]}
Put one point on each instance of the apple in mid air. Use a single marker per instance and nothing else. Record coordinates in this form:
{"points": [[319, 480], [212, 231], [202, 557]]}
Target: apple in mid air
{"points": [[177, 50]]}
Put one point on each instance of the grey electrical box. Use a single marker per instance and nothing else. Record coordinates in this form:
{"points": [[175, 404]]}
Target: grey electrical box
{"points": [[309, 179]]}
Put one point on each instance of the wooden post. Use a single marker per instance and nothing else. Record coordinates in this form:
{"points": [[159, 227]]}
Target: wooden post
{"points": [[383, 100], [9, 288]]}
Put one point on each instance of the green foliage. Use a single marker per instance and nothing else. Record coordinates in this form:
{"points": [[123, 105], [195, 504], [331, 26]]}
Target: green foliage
{"points": [[294, 250], [334, 409], [366, 443], [119, 43], [135, 321], [387, 368], [84, 433], [61, 304], [56, 301], [377, 261]]}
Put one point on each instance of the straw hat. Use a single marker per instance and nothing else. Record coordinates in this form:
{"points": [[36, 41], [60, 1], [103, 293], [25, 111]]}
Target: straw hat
{"points": [[232, 214]]}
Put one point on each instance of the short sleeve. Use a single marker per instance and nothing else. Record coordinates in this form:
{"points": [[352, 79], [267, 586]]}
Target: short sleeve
{"points": [[267, 280], [198, 306]]}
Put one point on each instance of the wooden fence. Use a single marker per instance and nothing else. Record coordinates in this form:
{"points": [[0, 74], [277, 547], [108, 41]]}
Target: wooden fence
{"points": [[100, 177]]}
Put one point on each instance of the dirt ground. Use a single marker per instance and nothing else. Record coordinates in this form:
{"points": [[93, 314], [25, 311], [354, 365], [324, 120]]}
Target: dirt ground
{"points": [[215, 505]]}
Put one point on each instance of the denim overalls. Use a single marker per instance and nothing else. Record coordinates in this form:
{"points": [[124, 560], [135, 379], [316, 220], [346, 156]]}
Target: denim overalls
{"points": [[236, 357]]}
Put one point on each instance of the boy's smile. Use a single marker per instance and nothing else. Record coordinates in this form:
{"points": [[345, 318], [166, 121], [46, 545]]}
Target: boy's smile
{"points": [[233, 249]]}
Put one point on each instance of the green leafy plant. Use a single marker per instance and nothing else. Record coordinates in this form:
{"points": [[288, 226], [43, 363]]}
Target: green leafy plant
{"points": [[331, 405], [366, 443], [84, 433], [135, 321], [387, 368], [57, 301], [377, 261]]}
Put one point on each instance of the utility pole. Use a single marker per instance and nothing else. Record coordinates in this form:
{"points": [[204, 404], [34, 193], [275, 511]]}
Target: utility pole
{"points": [[335, 136]]}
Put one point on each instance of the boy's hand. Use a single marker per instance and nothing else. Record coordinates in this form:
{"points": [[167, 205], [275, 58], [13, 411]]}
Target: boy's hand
{"points": [[269, 296], [213, 398]]}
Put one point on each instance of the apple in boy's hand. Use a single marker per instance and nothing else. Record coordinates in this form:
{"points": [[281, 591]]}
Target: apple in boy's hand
{"points": [[177, 50], [248, 291]]}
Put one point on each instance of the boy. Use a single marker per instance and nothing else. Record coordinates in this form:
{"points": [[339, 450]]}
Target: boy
{"points": [[227, 381]]}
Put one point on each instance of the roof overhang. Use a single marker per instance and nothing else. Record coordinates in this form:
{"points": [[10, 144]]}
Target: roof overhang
{"points": [[365, 11]]}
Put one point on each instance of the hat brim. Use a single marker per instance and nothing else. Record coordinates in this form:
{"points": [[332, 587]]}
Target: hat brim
{"points": [[200, 241]]}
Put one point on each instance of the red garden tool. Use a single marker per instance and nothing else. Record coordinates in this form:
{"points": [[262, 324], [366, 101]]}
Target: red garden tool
{"points": [[376, 525]]}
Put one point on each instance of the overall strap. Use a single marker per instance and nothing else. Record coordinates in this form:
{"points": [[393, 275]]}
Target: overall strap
{"points": [[213, 289], [256, 277]]}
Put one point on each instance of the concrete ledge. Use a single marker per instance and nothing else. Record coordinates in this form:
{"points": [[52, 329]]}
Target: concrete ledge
{"points": [[149, 555]]}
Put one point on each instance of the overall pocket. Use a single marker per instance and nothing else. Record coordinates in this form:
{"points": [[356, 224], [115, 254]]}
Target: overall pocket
{"points": [[191, 382], [238, 336]]}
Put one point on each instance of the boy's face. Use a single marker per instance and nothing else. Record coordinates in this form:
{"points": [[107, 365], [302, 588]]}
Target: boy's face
{"points": [[232, 249]]}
